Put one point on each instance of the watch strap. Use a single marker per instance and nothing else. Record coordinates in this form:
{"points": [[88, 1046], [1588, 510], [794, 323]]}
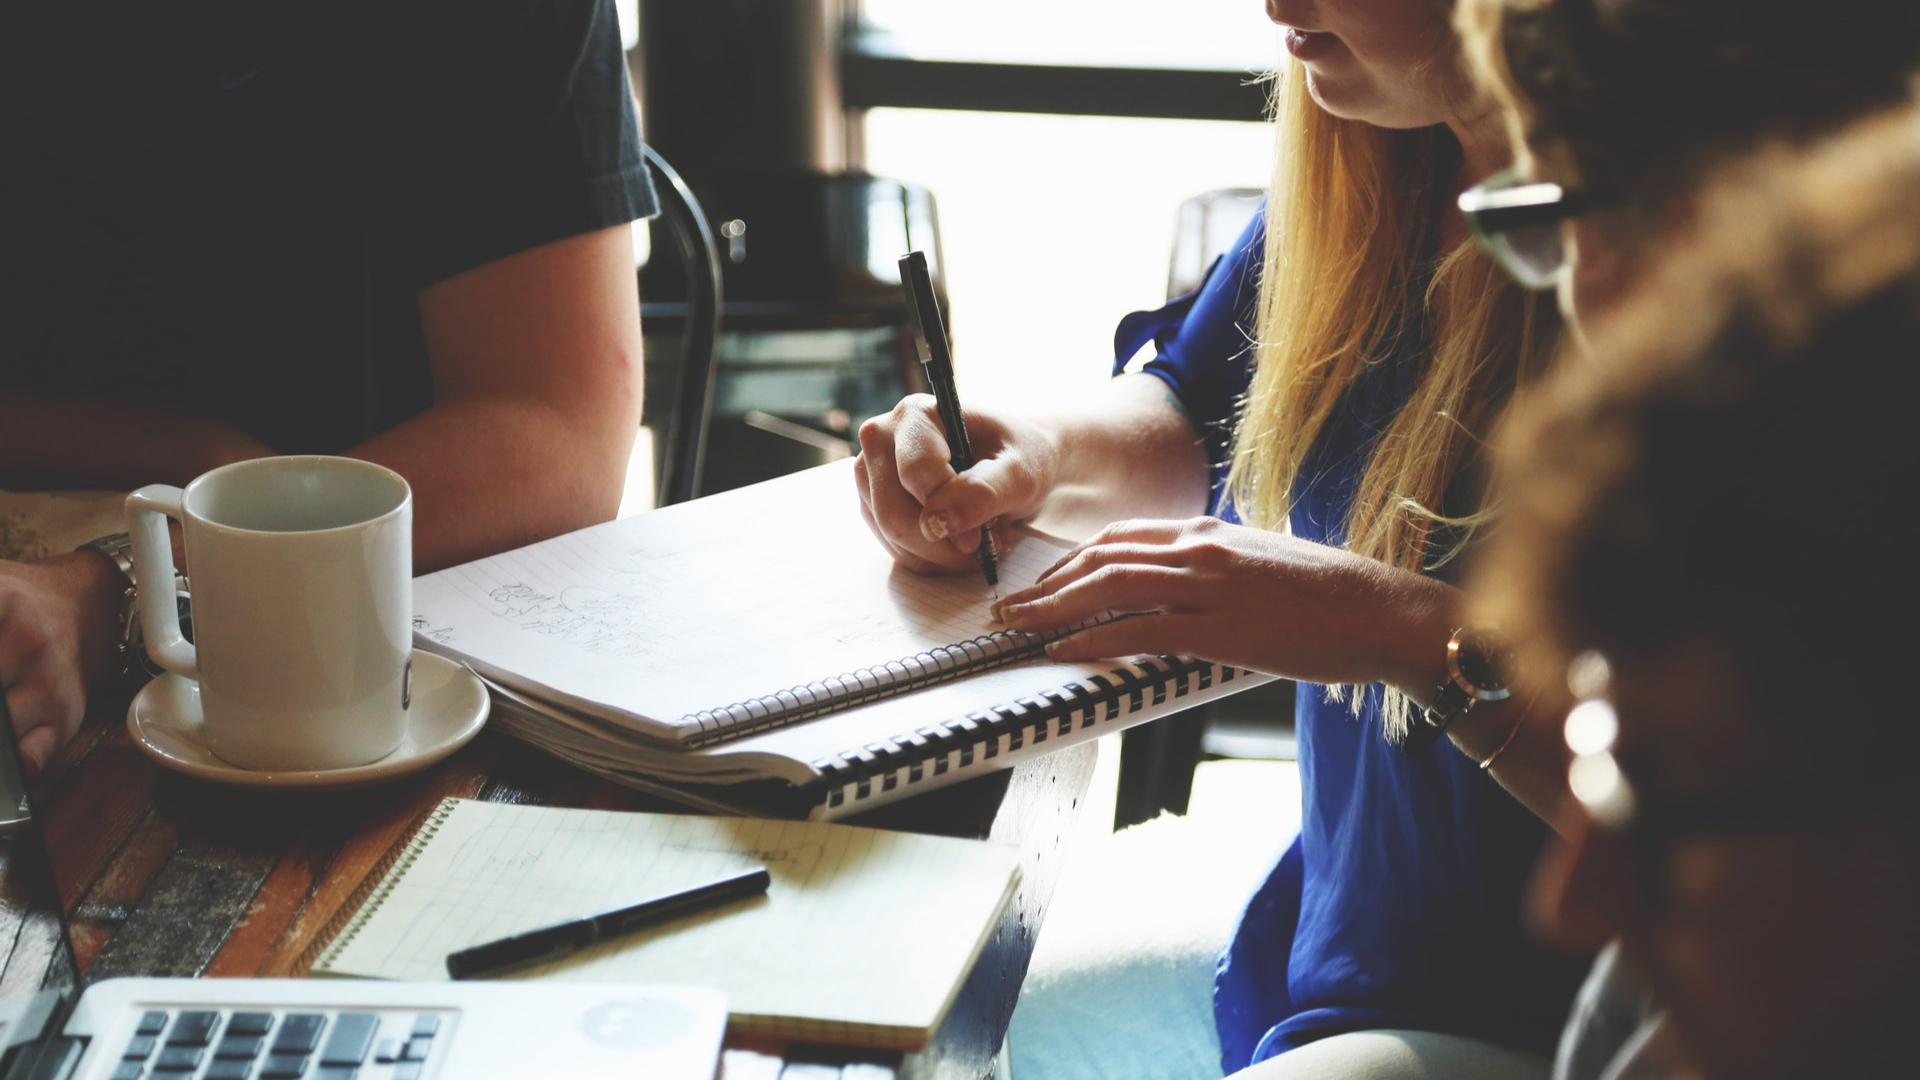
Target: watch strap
{"points": [[1449, 702], [118, 548], [130, 651], [1461, 690]]}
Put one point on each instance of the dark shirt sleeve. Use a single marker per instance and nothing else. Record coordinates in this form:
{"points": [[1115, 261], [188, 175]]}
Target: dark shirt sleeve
{"points": [[528, 135], [1203, 345]]}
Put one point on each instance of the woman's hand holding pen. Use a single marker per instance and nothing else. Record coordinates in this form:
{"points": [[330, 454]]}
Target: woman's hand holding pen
{"points": [[1243, 596], [925, 514]]}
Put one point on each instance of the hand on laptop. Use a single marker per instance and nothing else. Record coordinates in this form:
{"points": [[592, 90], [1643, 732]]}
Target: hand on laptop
{"points": [[56, 623]]}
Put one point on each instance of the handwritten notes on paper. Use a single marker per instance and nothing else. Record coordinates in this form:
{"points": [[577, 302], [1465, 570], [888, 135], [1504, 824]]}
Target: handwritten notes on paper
{"points": [[657, 617]]}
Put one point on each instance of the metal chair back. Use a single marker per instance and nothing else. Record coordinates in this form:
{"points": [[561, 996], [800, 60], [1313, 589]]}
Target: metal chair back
{"points": [[683, 450]]}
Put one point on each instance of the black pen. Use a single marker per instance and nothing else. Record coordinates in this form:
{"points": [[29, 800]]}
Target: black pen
{"points": [[554, 942], [930, 334]]}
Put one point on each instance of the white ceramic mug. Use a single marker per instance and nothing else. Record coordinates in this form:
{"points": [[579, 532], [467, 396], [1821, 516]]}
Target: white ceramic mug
{"points": [[302, 574]]}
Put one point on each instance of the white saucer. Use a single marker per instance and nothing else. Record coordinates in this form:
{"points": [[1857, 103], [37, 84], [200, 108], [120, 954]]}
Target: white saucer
{"points": [[449, 708]]}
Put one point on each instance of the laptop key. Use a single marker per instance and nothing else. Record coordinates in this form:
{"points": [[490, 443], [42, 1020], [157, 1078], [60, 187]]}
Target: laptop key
{"points": [[230, 1069], [283, 1067], [351, 1039], [428, 1025], [299, 1033], [178, 1059], [51, 1058], [388, 1053], [129, 1070], [408, 1070], [250, 1023], [138, 1048], [416, 1049], [193, 1028], [337, 1072], [239, 1046], [152, 1022]]}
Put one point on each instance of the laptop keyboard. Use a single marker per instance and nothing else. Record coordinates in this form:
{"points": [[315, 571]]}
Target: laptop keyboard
{"points": [[208, 1044]]}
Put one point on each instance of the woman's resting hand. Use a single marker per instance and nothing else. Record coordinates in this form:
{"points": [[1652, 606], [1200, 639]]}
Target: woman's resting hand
{"points": [[1243, 596], [928, 517]]}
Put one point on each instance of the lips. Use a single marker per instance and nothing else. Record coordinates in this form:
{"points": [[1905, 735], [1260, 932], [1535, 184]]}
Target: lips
{"points": [[1308, 45]]}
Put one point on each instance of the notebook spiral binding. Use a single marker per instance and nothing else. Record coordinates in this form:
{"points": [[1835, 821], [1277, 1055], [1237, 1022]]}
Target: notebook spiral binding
{"points": [[954, 745], [937, 665], [373, 890]]}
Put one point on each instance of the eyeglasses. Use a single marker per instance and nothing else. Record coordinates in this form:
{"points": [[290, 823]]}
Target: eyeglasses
{"points": [[1518, 223]]}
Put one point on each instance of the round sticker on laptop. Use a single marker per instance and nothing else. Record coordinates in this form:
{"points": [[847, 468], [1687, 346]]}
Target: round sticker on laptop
{"points": [[634, 1024]]}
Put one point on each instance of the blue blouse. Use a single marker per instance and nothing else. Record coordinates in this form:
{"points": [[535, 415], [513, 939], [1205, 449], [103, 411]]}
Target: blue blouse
{"points": [[1399, 905]]}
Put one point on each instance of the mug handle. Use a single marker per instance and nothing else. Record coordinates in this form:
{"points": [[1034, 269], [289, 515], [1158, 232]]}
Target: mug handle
{"points": [[147, 512]]}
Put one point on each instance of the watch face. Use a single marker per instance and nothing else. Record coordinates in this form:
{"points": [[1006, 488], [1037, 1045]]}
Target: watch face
{"points": [[1483, 660]]}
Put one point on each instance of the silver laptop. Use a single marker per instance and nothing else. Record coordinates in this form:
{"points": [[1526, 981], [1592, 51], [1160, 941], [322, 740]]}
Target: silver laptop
{"points": [[53, 1026]]}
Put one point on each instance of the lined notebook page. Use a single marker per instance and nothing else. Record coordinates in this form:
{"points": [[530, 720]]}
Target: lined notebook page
{"points": [[864, 936], [702, 605]]}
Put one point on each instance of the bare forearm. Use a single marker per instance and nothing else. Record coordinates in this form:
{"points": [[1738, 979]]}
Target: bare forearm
{"points": [[51, 441], [1125, 452], [492, 473], [537, 376], [1533, 765]]}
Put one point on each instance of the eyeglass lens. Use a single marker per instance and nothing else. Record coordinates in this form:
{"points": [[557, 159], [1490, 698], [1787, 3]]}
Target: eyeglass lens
{"points": [[1535, 254]]}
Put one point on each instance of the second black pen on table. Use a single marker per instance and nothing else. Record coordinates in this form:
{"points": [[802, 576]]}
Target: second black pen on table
{"points": [[564, 939], [936, 356]]}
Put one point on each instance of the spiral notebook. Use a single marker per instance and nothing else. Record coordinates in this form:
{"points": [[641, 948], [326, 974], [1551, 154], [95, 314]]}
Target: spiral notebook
{"points": [[864, 938], [762, 637]]}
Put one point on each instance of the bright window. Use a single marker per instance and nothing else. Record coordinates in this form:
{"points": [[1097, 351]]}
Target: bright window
{"points": [[1225, 35], [1053, 227]]}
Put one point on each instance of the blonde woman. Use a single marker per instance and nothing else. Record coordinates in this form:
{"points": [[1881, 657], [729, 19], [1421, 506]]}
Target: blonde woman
{"points": [[1384, 345]]}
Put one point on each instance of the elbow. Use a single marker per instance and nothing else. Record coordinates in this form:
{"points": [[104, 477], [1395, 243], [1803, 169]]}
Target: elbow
{"points": [[601, 430]]}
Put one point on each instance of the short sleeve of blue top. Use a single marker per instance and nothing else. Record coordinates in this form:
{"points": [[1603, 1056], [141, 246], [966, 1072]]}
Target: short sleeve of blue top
{"points": [[1399, 904]]}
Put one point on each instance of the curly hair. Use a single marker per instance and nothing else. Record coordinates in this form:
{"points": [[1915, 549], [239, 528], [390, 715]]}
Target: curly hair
{"points": [[1642, 97], [1737, 468]]}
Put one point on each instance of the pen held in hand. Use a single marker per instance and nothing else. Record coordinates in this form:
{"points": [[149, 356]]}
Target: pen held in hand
{"points": [[936, 356], [988, 556], [554, 942]]}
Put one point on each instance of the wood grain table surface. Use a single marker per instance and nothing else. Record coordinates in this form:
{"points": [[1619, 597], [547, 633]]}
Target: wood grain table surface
{"points": [[166, 875]]}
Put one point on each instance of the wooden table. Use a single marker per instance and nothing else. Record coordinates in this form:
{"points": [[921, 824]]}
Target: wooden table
{"points": [[165, 875]]}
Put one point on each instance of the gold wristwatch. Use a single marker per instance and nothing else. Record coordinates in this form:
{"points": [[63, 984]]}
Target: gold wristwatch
{"points": [[1479, 668]]}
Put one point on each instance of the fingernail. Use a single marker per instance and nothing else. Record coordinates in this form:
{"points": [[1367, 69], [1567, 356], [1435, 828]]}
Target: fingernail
{"points": [[933, 526]]}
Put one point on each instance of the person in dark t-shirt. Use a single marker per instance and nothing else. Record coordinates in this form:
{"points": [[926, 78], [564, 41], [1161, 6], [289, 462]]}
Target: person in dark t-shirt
{"points": [[395, 229]]}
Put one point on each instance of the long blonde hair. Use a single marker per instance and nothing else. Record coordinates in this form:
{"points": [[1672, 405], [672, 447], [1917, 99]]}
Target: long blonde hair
{"points": [[1354, 222]]}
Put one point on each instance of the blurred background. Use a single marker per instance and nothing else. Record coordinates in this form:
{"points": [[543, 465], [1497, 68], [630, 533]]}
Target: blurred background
{"points": [[1040, 151]]}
